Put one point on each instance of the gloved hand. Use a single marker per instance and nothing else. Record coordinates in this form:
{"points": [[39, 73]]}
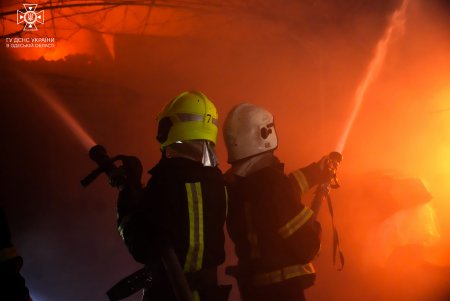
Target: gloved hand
{"points": [[328, 167], [133, 170], [116, 177], [128, 179], [128, 174]]}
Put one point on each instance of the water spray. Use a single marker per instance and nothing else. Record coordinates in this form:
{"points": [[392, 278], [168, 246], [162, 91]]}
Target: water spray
{"points": [[373, 70], [53, 103], [129, 175], [396, 23], [131, 169]]}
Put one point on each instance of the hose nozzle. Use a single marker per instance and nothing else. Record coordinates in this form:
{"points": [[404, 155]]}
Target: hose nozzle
{"points": [[334, 159], [99, 155]]}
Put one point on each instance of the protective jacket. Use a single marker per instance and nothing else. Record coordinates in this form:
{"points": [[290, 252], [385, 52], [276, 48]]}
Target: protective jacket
{"points": [[183, 207], [274, 236], [12, 284]]}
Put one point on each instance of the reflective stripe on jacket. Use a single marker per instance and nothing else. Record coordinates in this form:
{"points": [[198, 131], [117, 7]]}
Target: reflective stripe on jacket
{"points": [[274, 236], [184, 205], [285, 273]]}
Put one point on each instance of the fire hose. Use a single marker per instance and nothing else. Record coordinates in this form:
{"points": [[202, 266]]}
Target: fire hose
{"points": [[322, 193], [143, 277]]}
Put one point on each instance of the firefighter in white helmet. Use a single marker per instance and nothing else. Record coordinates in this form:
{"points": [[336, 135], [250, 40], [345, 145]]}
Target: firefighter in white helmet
{"points": [[184, 204], [275, 235]]}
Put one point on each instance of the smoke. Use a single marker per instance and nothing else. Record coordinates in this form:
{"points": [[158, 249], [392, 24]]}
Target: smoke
{"points": [[395, 24], [396, 130], [303, 61], [67, 119]]}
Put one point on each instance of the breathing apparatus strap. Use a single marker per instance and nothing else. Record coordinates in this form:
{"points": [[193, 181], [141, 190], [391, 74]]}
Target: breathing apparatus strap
{"points": [[336, 246]]}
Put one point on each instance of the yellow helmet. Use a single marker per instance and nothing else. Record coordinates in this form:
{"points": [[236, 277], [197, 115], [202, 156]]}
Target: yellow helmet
{"points": [[189, 116]]}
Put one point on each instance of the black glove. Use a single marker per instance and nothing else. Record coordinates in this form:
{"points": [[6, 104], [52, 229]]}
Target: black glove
{"points": [[129, 174], [328, 167], [127, 178], [133, 170]]}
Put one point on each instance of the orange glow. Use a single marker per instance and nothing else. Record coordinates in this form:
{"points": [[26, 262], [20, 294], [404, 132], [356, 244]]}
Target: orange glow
{"points": [[414, 226], [100, 27], [307, 71], [440, 114], [83, 42]]}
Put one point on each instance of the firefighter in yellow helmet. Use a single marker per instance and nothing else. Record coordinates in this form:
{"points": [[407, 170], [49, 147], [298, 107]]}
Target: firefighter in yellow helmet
{"points": [[184, 204], [275, 235]]}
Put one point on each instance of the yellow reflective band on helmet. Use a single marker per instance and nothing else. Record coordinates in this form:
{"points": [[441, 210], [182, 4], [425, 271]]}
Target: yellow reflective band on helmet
{"points": [[301, 181], [295, 223], [184, 117], [286, 273], [8, 253], [189, 116], [194, 257]]}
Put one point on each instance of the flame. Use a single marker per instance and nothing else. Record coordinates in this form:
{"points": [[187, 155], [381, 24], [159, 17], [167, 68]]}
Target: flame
{"points": [[413, 226], [441, 157]]}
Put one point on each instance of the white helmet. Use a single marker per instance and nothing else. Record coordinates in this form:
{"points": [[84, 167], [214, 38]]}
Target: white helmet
{"points": [[248, 130]]}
